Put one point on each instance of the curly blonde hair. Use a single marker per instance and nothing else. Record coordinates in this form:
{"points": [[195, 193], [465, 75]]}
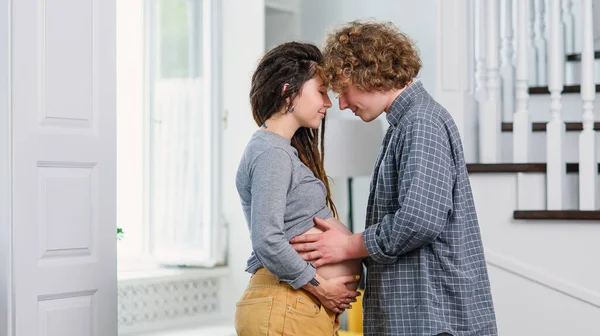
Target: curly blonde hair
{"points": [[372, 56]]}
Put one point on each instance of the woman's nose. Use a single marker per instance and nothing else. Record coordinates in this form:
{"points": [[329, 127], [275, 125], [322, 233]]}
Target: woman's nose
{"points": [[327, 102]]}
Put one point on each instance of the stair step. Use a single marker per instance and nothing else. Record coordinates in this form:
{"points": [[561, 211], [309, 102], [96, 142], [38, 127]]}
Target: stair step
{"points": [[577, 57], [541, 126], [556, 215], [566, 89], [474, 168]]}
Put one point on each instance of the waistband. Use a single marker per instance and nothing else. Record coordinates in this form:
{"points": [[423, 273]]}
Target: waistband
{"points": [[262, 277]]}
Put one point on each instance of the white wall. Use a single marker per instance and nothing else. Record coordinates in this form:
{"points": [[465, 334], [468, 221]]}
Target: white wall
{"points": [[5, 178], [282, 22], [545, 275], [243, 45]]}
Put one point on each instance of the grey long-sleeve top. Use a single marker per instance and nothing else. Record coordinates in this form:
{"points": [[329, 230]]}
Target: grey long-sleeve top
{"points": [[280, 196]]}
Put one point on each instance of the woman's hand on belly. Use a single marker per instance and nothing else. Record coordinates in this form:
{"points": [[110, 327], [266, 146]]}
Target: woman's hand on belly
{"points": [[333, 293], [347, 267]]}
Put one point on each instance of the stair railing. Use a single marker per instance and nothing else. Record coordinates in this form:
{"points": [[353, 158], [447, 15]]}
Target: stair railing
{"points": [[507, 64]]}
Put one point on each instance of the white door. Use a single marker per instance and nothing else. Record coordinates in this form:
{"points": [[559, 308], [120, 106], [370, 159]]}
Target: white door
{"points": [[64, 167]]}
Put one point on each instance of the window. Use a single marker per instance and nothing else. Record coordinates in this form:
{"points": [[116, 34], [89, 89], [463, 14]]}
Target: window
{"points": [[176, 219]]}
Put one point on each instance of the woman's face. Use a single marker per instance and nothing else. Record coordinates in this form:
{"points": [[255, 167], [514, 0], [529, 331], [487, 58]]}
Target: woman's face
{"points": [[311, 105]]}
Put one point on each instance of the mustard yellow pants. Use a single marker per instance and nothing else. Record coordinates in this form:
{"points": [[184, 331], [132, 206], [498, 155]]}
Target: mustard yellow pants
{"points": [[273, 308]]}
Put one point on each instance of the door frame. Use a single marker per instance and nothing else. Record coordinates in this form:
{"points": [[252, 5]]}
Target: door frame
{"points": [[6, 283]]}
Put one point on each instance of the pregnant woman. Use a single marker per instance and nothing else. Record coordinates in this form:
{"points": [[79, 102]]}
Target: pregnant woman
{"points": [[282, 187]]}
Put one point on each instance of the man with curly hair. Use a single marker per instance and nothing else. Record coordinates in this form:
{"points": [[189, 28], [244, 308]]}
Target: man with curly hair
{"points": [[426, 271]]}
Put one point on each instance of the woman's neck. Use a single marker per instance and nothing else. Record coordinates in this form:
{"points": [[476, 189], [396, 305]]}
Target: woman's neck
{"points": [[282, 124]]}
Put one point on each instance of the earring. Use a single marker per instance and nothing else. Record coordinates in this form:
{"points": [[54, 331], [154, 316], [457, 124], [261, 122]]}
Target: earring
{"points": [[289, 108]]}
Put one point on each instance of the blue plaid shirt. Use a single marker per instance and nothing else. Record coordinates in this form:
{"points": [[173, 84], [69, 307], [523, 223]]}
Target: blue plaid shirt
{"points": [[426, 271]]}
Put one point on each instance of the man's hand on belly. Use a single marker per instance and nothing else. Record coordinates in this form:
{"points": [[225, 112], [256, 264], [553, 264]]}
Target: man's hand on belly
{"points": [[320, 249]]}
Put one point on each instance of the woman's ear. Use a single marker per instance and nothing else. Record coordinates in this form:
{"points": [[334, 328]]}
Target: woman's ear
{"points": [[285, 86]]}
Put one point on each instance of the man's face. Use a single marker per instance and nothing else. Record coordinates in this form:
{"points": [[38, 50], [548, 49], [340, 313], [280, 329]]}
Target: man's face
{"points": [[365, 105]]}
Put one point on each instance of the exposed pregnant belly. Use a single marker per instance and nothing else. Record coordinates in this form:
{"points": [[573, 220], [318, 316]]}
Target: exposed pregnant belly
{"points": [[346, 267]]}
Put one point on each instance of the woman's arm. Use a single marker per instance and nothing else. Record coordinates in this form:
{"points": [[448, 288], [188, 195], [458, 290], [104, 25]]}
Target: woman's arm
{"points": [[271, 178]]}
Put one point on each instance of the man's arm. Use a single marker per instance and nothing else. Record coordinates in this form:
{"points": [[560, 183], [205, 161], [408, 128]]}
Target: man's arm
{"points": [[356, 247], [331, 246], [425, 194]]}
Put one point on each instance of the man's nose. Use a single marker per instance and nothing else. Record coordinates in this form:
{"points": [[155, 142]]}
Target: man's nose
{"points": [[343, 103]]}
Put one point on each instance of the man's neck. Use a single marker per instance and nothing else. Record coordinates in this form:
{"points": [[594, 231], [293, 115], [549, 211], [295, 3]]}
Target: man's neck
{"points": [[393, 94]]}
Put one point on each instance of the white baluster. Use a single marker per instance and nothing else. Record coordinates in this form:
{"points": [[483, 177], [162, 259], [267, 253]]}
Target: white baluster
{"points": [[569, 37], [521, 125], [569, 25], [555, 130], [507, 70], [490, 111], [533, 54], [576, 8], [480, 36], [540, 42], [587, 138]]}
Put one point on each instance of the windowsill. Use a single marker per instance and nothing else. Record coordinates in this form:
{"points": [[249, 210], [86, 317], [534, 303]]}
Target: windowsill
{"points": [[160, 272], [145, 267]]}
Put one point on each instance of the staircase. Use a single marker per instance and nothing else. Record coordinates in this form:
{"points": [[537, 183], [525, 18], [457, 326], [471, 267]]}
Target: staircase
{"points": [[536, 180], [536, 101]]}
